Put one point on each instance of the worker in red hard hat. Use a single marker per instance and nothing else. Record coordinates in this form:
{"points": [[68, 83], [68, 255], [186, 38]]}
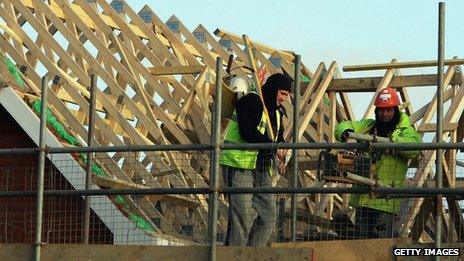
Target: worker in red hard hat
{"points": [[387, 113], [374, 216]]}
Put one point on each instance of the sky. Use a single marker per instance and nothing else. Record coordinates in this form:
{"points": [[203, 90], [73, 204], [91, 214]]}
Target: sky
{"points": [[348, 32]]}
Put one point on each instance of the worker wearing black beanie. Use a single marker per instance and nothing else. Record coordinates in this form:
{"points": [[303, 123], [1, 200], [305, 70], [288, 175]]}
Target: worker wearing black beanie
{"points": [[274, 83], [252, 216]]}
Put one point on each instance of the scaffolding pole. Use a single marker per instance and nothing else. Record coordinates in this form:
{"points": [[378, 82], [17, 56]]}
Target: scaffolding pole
{"points": [[296, 126], [41, 170], [381, 191], [88, 165], [439, 133], [233, 146], [215, 141]]}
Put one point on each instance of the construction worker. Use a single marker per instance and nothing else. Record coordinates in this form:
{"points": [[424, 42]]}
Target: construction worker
{"points": [[252, 216], [374, 217]]}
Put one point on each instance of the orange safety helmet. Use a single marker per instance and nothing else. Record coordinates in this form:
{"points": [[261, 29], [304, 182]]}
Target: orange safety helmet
{"points": [[386, 98]]}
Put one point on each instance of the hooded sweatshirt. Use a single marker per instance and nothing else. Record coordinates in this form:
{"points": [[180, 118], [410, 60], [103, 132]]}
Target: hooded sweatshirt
{"points": [[249, 110]]}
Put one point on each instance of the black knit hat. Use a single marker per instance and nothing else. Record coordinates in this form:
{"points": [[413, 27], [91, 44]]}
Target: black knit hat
{"points": [[279, 81], [273, 84]]}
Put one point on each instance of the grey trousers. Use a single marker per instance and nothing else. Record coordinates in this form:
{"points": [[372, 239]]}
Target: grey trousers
{"points": [[252, 217]]}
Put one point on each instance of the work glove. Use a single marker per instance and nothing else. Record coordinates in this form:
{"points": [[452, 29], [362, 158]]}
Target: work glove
{"points": [[346, 133]]}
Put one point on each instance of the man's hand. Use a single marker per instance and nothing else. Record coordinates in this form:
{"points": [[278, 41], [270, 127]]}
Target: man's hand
{"points": [[281, 153], [346, 134], [351, 140]]}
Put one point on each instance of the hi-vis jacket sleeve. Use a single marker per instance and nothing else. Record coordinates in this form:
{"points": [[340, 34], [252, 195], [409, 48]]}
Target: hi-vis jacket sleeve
{"points": [[362, 127]]}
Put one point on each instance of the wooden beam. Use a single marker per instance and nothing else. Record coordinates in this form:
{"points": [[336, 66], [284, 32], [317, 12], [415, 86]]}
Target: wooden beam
{"points": [[261, 47], [421, 219], [368, 84], [433, 105], [318, 96], [432, 127], [191, 69], [383, 66], [304, 100], [417, 115], [120, 184]]}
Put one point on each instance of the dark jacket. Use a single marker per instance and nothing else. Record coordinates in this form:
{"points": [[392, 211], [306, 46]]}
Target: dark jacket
{"points": [[249, 111]]}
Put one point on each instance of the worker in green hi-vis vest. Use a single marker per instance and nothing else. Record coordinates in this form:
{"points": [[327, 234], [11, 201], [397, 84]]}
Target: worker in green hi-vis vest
{"points": [[374, 216], [252, 216]]}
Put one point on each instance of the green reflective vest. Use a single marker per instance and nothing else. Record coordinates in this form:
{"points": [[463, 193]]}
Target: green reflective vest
{"points": [[391, 169], [243, 159]]}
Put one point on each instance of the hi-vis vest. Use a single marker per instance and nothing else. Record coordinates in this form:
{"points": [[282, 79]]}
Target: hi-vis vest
{"points": [[243, 159]]}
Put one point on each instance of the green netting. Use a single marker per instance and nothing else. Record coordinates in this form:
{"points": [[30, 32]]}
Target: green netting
{"points": [[122, 204], [119, 200], [98, 171], [305, 78], [14, 71], [95, 167], [141, 223], [60, 130]]}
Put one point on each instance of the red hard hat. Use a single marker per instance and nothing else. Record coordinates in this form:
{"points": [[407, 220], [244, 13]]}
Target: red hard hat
{"points": [[386, 98]]}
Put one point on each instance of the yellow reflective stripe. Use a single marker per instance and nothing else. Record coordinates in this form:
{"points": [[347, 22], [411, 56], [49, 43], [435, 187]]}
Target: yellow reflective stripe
{"points": [[278, 124], [262, 124]]}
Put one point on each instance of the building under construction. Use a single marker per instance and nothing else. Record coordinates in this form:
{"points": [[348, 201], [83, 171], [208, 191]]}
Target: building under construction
{"points": [[126, 153]]}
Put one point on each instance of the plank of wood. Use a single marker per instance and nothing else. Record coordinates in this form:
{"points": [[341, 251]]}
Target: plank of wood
{"points": [[333, 116], [421, 219], [317, 97], [120, 184], [259, 46], [190, 69], [417, 115], [432, 127], [415, 64], [305, 98], [346, 105], [369, 84], [433, 105]]}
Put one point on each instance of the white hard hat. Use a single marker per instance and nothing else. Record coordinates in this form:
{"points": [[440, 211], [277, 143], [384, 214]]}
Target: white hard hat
{"points": [[238, 84]]}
